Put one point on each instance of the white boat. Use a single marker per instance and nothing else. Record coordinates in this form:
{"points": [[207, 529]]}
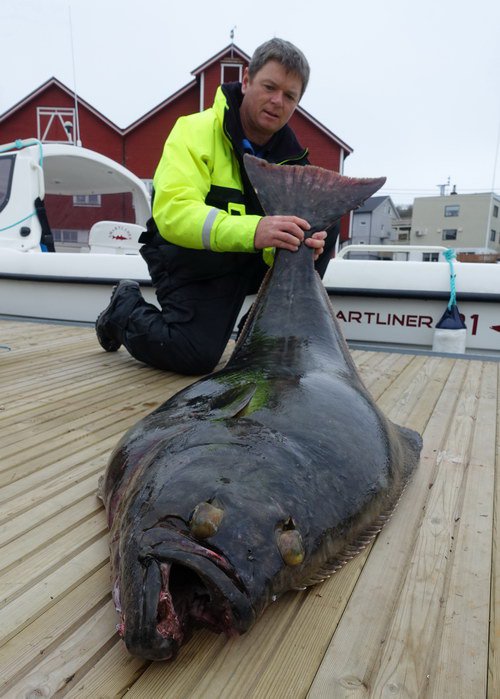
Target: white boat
{"points": [[60, 285], [399, 301], [395, 302]]}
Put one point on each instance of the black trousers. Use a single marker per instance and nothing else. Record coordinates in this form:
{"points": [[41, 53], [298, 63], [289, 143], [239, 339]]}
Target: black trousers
{"points": [[201, 294]]}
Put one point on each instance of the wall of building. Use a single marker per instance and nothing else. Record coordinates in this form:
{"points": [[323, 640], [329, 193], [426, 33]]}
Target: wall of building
{"points": [[95, 133], [374, 227], [472, 216], [322, 152], [143, 145]]}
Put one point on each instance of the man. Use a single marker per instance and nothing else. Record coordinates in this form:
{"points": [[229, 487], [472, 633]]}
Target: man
{"points": [[209, 244]]}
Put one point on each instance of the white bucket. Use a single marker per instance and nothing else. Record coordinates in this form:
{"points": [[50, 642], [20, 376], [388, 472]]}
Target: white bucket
{"points": [[449, 341]]}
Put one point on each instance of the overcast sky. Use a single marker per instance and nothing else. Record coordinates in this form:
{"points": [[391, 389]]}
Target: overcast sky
{"points": [[412, 86]]}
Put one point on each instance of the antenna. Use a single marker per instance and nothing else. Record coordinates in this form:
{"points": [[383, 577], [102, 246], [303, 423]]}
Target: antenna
{"points": [[77, 119], [442, 188]]}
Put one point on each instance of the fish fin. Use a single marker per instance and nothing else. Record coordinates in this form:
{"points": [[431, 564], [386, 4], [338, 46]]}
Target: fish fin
{"points": [[318, 195], [100, 488], [233, 403], [349, 551], [345, 555], [413, 446]]}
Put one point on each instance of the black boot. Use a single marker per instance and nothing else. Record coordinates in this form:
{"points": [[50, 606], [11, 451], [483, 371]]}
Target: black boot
{"points": [[108, 326]]}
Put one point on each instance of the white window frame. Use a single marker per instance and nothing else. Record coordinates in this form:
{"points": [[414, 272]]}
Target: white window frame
{"points": [[452, 210], [93, 200], [231, 64], [66, 117]]}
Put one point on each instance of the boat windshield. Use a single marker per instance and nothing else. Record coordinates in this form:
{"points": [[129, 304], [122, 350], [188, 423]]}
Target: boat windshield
{"points": [[6, 170]]}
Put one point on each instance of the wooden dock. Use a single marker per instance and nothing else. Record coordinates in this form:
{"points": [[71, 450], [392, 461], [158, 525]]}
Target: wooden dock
{"points": [[416, 615]]}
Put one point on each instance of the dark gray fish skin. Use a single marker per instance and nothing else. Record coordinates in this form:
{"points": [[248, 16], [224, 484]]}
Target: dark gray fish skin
{"points": [[299, 467]]}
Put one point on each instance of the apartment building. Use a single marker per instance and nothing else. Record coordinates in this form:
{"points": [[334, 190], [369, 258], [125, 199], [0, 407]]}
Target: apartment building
{"points": [[469, 223]]}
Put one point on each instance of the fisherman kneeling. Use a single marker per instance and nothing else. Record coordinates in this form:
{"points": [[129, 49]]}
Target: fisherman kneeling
{"points": [[209, 244]]}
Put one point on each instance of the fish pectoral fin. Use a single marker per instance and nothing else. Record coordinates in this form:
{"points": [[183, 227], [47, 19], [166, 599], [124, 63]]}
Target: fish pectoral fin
{"points": [[234, 402]]}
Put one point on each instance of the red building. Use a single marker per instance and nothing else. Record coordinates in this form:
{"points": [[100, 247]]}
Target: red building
{"points": [[52, 113]]}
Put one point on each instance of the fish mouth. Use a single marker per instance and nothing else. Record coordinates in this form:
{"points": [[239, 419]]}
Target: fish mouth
{"points": [[174, 588]]}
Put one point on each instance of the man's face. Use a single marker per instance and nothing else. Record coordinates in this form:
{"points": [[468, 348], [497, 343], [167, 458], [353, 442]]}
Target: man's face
{"points": [[269, 100]]}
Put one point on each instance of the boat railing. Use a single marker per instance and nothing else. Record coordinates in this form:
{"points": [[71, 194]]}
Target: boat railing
{"points": [[405, 252]]}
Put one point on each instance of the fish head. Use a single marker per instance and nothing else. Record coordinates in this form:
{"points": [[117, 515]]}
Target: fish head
{"points": [[170, 585], [183, 542]]}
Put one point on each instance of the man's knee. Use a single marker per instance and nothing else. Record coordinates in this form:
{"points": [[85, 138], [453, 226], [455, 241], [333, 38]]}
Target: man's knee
{"points": [[197, 361], [175, 354]]}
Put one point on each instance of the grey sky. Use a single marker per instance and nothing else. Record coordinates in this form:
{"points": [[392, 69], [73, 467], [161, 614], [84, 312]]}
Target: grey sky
{"points": [[412, 87]]}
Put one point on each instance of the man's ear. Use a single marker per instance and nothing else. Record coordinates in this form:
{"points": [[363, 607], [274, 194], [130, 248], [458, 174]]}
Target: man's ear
{"points": [[245, 81]]}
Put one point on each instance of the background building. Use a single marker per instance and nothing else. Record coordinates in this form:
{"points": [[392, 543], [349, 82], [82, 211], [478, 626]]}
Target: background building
{"points": [[372, 223], [469, 223]]}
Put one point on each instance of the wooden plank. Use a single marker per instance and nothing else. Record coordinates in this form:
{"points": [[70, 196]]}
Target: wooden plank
{"points": [[22, 494], [112, 675], [462, 656], [406, 658], [494, 639], [60, 668], [40, 563], [350, 664], [15, 527], [382, 372], [82, 512], [21, 611], [27, 648]]}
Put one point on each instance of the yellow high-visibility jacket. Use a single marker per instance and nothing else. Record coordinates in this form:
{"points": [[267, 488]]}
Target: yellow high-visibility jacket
{"points": [[202, 197]]}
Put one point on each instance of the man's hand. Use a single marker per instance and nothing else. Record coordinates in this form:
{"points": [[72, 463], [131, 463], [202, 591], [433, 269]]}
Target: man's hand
{"points": [[317, 241], [287, 232]]}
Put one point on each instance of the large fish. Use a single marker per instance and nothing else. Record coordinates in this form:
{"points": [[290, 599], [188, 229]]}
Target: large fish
{"points": [[263, 477]]}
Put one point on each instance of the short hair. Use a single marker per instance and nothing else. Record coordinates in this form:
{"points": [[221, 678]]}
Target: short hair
{"points": [[284, 52]]}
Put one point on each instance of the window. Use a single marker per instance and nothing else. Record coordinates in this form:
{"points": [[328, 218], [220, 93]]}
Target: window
{"points": [[56, 124], [6, 170], [231, 72], [449, 234], [87, 200], [403, 236], [452, 210], [495, 211], [493, 235], [430, 256], [65, 236]]}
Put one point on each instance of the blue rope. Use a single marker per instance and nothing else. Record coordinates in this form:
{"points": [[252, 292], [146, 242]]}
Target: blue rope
{"points": [[13, 225], [19, 144], [450, 255]]}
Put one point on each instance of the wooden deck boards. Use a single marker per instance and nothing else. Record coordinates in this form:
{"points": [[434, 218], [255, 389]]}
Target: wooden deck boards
{"points": [[416, 615]]}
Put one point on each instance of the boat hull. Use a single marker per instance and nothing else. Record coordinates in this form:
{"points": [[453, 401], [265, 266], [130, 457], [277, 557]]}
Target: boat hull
{"points": [[65, 286], [383, 303], [412, 322], [400, 302]]}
